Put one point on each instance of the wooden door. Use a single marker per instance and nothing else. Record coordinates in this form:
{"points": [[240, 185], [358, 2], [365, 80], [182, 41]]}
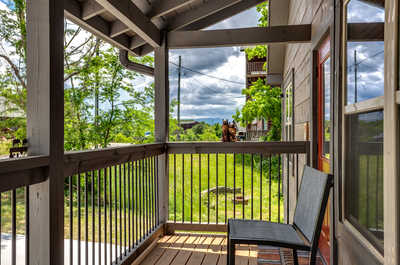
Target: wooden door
{"points": [[324, 133]]}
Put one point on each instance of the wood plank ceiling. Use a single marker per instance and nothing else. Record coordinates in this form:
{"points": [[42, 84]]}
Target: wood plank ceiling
{"points": [[136, 25]]}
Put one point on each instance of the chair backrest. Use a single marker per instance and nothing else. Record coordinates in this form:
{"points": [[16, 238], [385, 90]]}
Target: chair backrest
{"points": [[312, 201]]}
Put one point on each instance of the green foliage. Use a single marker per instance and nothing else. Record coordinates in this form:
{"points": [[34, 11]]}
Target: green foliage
{"points": [[101, 103], [264, 102], [200, 132], [260, 51]]}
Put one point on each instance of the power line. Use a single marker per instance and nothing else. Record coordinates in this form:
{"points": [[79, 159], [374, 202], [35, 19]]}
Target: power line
{"points": [[211, 76]]}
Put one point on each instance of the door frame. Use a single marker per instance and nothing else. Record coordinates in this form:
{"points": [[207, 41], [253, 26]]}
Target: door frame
{"points": [[326, 30]]}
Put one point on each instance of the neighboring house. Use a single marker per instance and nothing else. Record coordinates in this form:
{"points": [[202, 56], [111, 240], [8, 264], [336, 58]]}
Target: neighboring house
{"points": [[188, 124], [255, 69], [7, 110]]}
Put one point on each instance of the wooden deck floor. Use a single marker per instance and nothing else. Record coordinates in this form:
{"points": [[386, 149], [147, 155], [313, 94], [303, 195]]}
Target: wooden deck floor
{"points": [[197, 250]]}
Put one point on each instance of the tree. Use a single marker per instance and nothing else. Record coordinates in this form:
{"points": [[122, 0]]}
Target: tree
{"points": [[264, 102], [93, 77]]}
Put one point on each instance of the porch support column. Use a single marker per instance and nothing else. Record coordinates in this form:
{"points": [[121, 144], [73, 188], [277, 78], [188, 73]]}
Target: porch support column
{"points": [[161, 117], [45, 128], [391, 182]]}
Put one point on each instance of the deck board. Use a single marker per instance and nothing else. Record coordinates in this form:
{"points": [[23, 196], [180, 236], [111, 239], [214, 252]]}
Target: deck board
{"points": [[197, 250]]}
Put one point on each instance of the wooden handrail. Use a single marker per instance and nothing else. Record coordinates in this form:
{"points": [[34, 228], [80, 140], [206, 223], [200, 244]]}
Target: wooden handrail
{"points": [[298, 147], [25, 171], [82, 161]]}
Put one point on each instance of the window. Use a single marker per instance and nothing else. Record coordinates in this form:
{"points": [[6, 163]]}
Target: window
{"points": [[288, 122], [363, 119]]}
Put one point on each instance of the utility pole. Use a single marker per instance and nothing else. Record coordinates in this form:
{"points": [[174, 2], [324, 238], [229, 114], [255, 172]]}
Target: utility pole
{"points": [[355, 76], [179, 95]]}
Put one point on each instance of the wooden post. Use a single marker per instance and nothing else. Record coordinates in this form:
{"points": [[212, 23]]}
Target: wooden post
{"points": [[45, 128], [162, 122], [391, 182]]}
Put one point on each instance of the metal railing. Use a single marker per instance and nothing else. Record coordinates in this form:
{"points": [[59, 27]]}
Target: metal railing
{"points": [[17, 176], [212, 182], [255, 68], [111, 206], [114, 198]]}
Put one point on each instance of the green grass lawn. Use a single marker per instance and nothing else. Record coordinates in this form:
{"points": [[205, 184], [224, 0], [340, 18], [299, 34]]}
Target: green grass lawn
{"points": [[199, 181]]}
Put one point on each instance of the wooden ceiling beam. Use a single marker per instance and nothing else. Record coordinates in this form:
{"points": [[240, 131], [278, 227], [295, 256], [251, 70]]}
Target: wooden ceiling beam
{"points": [[132, 16], [163, 7], [91, 8], [222, 14], [217, 17], [95, 25], [366, 31], [136, 42], [239, 37], [198, 13], [118, 28]]}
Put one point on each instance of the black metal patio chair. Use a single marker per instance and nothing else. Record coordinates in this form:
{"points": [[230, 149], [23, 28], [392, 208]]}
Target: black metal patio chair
{"points": [[305, 231]]}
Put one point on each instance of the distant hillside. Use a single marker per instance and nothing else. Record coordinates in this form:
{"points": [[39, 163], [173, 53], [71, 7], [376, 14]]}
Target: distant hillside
{"points": [[210, 121]]}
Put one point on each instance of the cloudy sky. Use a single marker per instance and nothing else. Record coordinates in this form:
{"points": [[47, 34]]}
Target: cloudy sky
{"points": [[365, 57], [215, 90], [204, 96]]}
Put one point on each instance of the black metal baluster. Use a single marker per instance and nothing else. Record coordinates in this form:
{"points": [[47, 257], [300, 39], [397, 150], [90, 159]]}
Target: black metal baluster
{"points": [[191, 188], [86, 219], [26, 225], [105, 214], [129, 205], [234, 185], [145, 196], [279, 188], [99, 205], [287, 189], [150, 196], [183, 188], [174, 188], [243, 199], [261, 160], [199, 188], [71, 222], [14, 227], [1, 196], [157, 191], [111, 205], [269, 187], [149, 201], [252, 186], [124, 209], [79, 218], [136, 204], [115, 213], [153, 199], [208, 188], [297, 176], [216, 179], [153, 181], [93, 217], [120, 211], [142, 199], [132, 203], [226, 193]]}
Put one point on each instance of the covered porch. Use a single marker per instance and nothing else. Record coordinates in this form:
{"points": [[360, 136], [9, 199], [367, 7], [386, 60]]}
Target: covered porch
{"points": [[163, 203]]}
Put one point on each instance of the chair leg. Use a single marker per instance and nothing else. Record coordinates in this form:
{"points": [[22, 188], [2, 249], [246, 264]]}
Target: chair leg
{"points": [[313, 258], [295, 258], [231, 253]]}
